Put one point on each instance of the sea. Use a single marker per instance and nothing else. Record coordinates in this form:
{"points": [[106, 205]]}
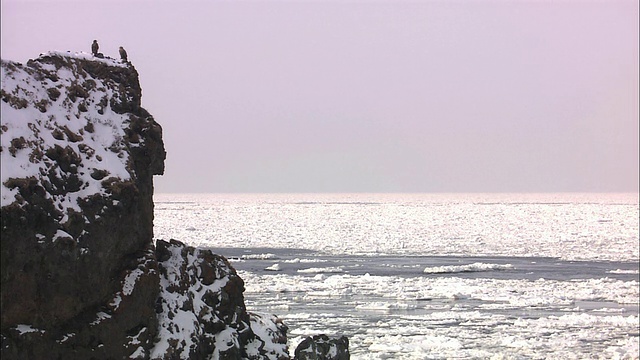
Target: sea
{"points": [[431, 276]]}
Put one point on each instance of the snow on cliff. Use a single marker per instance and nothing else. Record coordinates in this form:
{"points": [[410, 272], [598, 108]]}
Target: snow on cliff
{"points": [[47, 117], [78, 156]]}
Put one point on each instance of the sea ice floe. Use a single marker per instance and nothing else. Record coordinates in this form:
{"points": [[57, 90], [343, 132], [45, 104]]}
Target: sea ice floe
{"points": [[475, 267], [622, 271], [303, 261], [274, 267], [258, 256], [330, 269]]}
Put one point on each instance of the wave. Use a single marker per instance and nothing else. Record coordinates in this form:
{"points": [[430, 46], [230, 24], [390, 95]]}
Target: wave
{"points": [[475, 267]]}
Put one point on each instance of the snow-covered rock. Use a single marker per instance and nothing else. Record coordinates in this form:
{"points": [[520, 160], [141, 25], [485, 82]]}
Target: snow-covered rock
{"points": [[78, 154], [201, 310]]}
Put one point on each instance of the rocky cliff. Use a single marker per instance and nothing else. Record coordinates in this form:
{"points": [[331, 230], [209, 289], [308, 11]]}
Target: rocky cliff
{"points": [[78, 157], [81, 276]]}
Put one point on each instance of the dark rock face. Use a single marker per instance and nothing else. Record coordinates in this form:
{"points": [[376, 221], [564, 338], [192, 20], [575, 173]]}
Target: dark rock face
{"points": [[78, 263], [322, 347]]}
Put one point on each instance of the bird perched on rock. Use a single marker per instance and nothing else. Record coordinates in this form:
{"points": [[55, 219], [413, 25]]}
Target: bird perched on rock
{"points": [[123, 54], [94, 47]]}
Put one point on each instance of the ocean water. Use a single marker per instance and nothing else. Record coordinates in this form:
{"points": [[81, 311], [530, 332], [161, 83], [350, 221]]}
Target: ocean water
{"points": [[424, 276]]}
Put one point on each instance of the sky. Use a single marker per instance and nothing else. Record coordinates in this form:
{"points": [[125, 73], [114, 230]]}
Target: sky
{"points": [[369, 96]]}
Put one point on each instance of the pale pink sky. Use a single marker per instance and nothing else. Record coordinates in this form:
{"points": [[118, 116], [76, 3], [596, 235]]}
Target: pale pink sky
{"points": [[370, 96]]}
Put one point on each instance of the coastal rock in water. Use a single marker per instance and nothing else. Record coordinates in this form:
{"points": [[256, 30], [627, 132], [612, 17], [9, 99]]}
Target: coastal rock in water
{"points": [[201, 310], [322, 347], [78, 270]]}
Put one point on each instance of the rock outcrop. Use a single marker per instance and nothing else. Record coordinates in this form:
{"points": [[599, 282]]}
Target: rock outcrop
{"points": [[78, 156], [202, 313], [323, 347], [81, 276]]}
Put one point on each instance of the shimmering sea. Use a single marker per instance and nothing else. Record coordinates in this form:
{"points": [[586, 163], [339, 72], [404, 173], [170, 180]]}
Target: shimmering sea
{"points": [[431, 276]]}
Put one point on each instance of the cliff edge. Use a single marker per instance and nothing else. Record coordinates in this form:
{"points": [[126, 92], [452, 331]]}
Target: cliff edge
{"points": [[78, 156], [81, 276]]}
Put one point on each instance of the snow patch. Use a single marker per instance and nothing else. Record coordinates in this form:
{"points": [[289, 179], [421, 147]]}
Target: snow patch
{"points": [[30, 130], [25, 329]]}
